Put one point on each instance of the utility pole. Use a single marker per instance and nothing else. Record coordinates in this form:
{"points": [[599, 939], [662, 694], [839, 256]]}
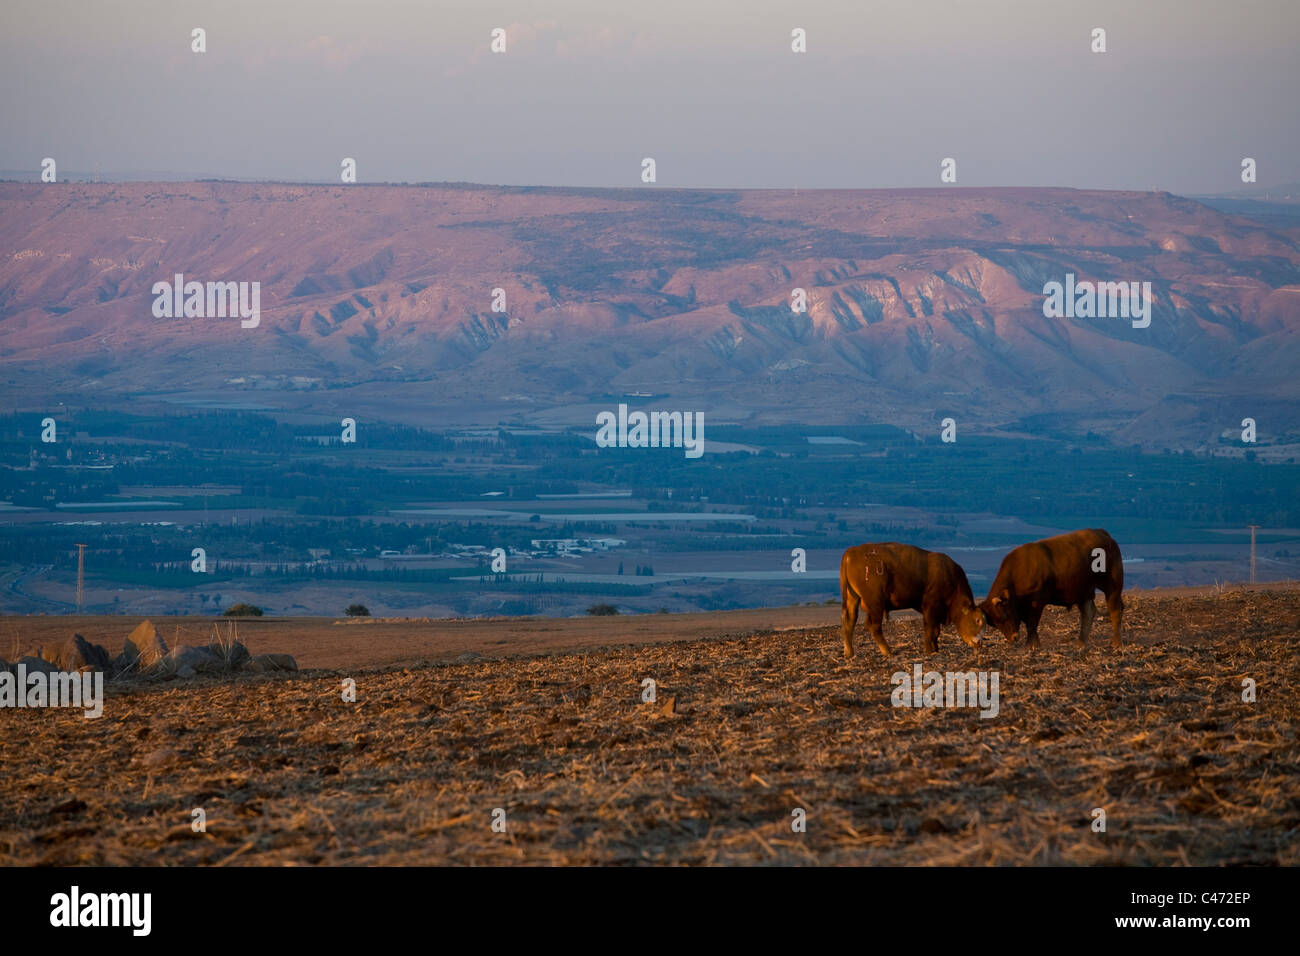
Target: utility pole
{"points": [[1252, 552], [81, 575]]}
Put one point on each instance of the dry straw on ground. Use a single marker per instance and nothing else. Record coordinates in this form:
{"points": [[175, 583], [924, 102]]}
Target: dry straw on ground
{"points": [[287, 772]]}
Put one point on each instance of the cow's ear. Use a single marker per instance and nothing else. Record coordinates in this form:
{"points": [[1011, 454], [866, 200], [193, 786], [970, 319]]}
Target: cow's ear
{"points": [[995, 600]]}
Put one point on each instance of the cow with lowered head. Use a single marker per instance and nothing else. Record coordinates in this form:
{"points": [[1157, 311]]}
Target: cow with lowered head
{"points": [[888, 577], [1064, 571]]}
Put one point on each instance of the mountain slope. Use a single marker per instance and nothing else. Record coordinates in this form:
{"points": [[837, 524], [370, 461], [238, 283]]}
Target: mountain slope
{"points": [[921, 303]]}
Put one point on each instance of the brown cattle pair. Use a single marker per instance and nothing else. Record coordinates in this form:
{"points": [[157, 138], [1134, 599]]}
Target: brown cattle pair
{"points": [[1065, 571]]}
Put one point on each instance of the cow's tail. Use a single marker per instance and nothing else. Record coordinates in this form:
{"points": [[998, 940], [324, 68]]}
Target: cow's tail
{"points": [[1114, 565], [1114, 588], [845, 582]]}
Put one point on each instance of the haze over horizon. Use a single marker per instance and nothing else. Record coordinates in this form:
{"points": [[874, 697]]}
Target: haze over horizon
{"points": [[714, 93]]}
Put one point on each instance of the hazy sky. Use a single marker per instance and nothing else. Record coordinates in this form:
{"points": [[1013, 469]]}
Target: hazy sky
{"points": [[709, 88]]}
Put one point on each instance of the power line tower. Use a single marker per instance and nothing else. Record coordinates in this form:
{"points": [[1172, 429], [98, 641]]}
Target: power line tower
{"points": [[81, 575], [1252, 552]]}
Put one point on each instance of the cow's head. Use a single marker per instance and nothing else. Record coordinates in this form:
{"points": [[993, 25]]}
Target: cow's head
{"points": [[970, 621], [1000, 613]]}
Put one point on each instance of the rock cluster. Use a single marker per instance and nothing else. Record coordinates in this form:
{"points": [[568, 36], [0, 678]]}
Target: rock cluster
{"points": [[146, 656]]}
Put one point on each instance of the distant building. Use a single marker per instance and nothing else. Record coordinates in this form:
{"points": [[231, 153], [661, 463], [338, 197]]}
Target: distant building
{"points": [[569, 545]]}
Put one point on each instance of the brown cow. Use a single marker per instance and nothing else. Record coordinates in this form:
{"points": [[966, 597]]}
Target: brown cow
{"points": [[1064, 571], [891, 576]]}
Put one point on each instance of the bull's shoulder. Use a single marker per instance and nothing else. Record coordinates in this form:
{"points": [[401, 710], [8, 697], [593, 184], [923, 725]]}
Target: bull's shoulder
{"points": [[944, 564], [949, 575], [1082, 538], [1026, 568]]}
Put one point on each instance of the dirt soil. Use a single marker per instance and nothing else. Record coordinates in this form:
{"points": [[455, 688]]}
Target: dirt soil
{"points": [[756, 716]]}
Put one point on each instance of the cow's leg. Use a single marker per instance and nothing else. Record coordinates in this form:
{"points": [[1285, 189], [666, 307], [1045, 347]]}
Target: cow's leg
{"points": [[849, 603], [929, 633], [1087, 611], [874, 622], [1031, 617], [1115, 604]]}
